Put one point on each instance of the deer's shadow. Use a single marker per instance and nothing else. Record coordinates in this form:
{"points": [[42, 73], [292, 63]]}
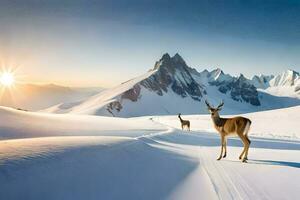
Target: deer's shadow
{"points": [[269, 162], [275, 162], [211, 139]]}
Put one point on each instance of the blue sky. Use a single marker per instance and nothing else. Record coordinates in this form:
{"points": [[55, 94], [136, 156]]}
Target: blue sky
{"points": [[105, 42]]}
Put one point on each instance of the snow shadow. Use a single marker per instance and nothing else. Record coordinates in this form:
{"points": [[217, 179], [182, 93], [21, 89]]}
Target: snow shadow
{"points": [[276, 102], [268, 162], [210, 139], [275, 162], [132, 170]]}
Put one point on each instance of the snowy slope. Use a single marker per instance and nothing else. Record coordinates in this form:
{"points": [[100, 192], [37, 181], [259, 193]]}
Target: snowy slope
{"points": [[159, 91], [286, 84], [144, 158], [95, 103], [21, 124], [261, 81], [286, 78], [281, 123]]}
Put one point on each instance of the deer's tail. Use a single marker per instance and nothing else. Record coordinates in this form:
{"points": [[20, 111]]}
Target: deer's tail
{"points": [[247, 127]]}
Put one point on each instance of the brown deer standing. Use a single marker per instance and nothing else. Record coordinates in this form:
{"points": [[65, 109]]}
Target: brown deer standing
{"points": [[231, 126], [184, 123]]}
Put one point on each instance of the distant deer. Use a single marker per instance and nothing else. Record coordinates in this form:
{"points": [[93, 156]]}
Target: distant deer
{"points": [[231, 126], [184, 123]]}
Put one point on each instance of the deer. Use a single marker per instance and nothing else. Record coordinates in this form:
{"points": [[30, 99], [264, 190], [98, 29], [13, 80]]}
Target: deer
{"points": [[239, 126], [184, 123]]}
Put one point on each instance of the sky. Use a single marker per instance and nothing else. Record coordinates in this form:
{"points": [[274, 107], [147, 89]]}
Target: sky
{"points": [[103, 43]]}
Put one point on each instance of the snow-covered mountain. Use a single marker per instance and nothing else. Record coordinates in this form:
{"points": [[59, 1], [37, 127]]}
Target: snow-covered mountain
{"points": [[238, 88], [172, 87], [261, 81], [286, 78], [286, 84], [173, 74], [160, 90]]}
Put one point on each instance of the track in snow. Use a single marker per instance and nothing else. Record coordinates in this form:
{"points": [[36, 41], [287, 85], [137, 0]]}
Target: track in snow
{"points": [[230, 178]]}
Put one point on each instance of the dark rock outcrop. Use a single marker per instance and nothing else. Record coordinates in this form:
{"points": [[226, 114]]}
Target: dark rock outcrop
{"points": [[133, 94], [240, 89], [173, 73]]}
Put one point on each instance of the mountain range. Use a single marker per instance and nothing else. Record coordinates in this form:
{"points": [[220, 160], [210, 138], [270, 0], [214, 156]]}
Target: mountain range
{"points": [[172, 87]]}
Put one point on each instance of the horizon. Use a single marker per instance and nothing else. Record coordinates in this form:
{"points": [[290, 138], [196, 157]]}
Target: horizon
{"points": [[118, 83], [102, 44]]}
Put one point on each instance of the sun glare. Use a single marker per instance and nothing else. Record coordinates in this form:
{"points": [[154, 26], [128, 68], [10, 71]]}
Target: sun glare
{"points": [[7, 79]]}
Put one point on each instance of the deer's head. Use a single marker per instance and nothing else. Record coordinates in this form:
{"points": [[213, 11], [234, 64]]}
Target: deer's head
{"points": [[214, 111]]}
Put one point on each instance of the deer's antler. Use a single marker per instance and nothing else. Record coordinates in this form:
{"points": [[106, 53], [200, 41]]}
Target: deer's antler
{"points": [[207, 104], [221, 104]]}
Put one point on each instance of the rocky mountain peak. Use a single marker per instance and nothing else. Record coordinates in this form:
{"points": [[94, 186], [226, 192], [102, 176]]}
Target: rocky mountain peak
{"points": [[242, 78], [170, 63], [178, 59], [173, 74], [165, 57], [217, 76], [291, 71], [217, 71], [261, 81]]}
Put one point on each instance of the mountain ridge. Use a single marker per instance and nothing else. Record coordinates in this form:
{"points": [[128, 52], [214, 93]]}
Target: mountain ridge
{"points": [[171, 86]]}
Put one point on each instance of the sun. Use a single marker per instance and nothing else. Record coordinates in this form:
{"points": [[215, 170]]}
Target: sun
{"points": [[7, 79]]}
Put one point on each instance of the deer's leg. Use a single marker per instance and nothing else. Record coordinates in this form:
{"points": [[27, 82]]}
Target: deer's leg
{"points": [[246, 145], [246, 153], [240, 157], [182, 126], [222, 147], [225, 147]]}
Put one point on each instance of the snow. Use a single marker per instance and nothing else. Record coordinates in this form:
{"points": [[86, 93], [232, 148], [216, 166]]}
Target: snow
{"points": [[92, 105], [282, 91], [106, 169], [261, 81], [19, 124], [219, 76], [280, 123], [150, 103], [286, 78], [51, 156]]}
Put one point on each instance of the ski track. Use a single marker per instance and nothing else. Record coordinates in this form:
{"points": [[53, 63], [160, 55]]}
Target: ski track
{"points": [[228, 183], [220, 180], [224, 178], [223, 185]]}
